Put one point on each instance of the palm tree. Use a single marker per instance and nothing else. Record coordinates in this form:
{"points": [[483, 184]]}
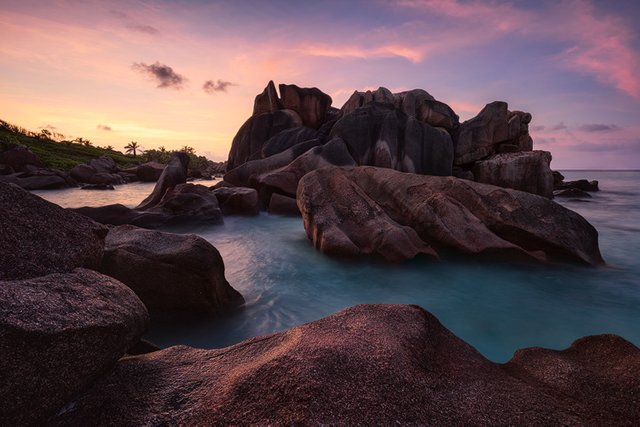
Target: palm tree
{"points": [[188, 150], [132, 147]]}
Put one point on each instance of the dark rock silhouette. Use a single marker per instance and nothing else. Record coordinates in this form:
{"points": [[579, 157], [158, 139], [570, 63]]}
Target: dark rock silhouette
{"points": [[395, 216], [38, 237], [238, 200], [173, 174], [371, 365], [169, 272], [59, 333]]}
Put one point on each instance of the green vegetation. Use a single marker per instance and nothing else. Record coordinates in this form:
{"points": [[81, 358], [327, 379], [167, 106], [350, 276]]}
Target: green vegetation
{"points": [[161, 155], [55, 152]]}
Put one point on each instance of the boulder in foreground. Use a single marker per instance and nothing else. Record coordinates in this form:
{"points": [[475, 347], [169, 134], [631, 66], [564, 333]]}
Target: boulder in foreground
{"points": [[38, 237], [169, 272], [369, 365], [58, 333], [395, 216]]}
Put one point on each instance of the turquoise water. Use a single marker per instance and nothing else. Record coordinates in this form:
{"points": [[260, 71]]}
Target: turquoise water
{"points": [[496, 307]]}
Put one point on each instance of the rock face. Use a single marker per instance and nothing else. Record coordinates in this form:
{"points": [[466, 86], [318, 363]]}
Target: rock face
{"points": [[256, 131], [492, 128], [380, 135], [393, 215], [237, 200], [38, 237], [311, 104], [283, 205], [59, 333], [287, 139], [371, 365], [526, 171], [169, 272]]}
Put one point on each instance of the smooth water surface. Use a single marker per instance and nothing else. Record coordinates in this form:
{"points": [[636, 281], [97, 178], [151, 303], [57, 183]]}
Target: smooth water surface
{"points": [[496, 307]]}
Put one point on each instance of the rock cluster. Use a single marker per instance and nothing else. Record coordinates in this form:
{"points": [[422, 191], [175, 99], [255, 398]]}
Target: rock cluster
{"points": [[409, 131], [63, 325], [172, 201], [22, 167], [578, 189]]}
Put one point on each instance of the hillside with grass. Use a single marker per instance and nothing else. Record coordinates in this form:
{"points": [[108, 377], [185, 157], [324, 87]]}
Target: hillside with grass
{"points": [[59, 154]]}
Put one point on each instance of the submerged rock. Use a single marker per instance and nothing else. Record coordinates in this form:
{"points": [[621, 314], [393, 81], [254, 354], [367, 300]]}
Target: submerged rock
{"points": [[59, 333], [376, 211], [169, 272], [371, 365], [572, 193], [237, 200], [38, 237]]}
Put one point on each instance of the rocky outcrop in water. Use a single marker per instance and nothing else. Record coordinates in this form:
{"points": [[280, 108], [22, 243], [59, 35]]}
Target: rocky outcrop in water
{"points": [[409, 131], [372, 364], [101, 170], [38, 237], [237, 200], [174, 173], [59, 333], [395, 216], [169, 272]]}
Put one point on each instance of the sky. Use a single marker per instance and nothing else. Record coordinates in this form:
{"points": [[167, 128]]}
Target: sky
{"points": [[176, 73]]}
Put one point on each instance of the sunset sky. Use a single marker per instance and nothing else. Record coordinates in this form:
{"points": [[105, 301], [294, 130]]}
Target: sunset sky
{"points": [[177, 73]]}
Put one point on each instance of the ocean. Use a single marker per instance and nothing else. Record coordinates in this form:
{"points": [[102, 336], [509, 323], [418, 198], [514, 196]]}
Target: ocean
{"points": [[496, 307]]}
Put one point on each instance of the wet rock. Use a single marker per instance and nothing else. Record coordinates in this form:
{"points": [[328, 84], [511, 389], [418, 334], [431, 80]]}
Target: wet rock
{"points": [[38, 237], [237, 200], [393, 215], [283, 205], [581, 184], [169, 272], [371, 365], [101, 170], [58, 334], [572, 193], [526, 171]]}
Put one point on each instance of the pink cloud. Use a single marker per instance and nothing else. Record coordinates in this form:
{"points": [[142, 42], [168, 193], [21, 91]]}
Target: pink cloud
{"points": [[359, 52], [597, 43]]}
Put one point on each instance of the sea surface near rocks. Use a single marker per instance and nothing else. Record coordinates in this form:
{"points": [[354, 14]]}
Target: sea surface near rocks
{"points": [[497, 307]]}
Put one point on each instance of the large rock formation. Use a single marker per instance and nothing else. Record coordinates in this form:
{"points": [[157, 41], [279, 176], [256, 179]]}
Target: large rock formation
{"points": [[19, 158], [526, 171], [409, 131], [169, 272], [59, 333], [371, 365], [38, 237], [366, 210]]}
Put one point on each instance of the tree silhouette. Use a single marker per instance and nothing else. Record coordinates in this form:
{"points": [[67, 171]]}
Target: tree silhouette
{"points": [[132, 148], [188, 150]]}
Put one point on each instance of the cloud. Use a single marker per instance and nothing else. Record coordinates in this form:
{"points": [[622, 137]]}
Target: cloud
{"points": [[220, 86], [595, 127], [147, 29], [409, 53], [559, 126], [104, 127], [163, 74], [537, 128]]}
